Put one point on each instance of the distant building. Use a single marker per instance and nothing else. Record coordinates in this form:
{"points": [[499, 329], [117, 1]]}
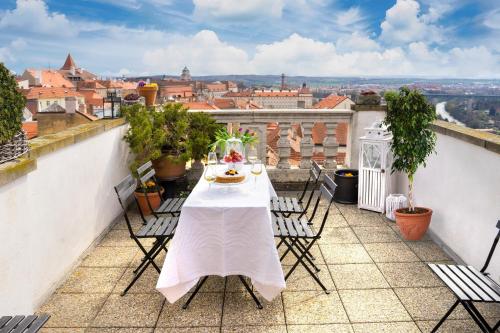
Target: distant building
{"points": [[186, 75], [45, 99], [276, 99], [46, 78], [334, 102], [73, 73]]}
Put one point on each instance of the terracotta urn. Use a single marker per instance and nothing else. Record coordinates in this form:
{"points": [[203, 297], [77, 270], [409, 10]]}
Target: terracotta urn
{"points": [[413, 226], [149, 93], [154, 200], [168, 169]]}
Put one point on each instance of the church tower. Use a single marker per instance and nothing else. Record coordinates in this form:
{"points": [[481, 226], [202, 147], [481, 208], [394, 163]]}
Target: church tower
{"points": [[186, 75]]}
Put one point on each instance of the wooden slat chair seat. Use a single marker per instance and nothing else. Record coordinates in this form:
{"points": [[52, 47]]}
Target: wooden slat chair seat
{"points": [[22, 324], [161, 228], [287, 206], [170, 206], [470, 286], [298, 235]]}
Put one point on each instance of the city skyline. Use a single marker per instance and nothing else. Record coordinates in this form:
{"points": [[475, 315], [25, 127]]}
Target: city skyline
{"points": [[404, 38]]}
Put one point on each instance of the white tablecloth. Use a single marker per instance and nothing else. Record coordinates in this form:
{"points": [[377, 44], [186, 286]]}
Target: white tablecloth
{"points": [[224, 231]]}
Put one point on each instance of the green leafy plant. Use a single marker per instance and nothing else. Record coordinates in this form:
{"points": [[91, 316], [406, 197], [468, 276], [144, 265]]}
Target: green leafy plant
{"points": [[247, 137], [12, 103], [201, 133], [145, 135], [176, 125], [409, 118]]}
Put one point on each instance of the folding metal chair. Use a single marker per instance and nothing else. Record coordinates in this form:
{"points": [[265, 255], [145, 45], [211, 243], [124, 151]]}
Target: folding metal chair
{"points": [[171, 206], [160, 228], [469, 286], [22, 324], [292, 230], [287, 206]]}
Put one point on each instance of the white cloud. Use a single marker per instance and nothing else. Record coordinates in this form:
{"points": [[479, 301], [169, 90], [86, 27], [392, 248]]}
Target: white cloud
{"points": [[356, 42], [7, 52], [32, 16], [492, 20], [349, 17], [203, 53], [231, 9], [404, 24]]}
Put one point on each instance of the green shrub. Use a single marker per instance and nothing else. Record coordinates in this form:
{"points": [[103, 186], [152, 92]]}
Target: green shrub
{"points": [[12, 103], [202, 129]]}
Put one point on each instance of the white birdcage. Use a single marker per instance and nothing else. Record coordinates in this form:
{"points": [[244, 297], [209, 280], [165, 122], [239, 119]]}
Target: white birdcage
{"points": [[374, 167]]}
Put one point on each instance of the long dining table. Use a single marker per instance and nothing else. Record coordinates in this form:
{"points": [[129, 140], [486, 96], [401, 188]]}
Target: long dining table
{"points": [[224, 230]]}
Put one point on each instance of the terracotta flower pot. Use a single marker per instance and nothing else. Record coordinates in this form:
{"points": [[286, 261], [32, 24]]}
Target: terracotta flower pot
{"points": [[167, 169], [149, 93], [413, 226], [154, 200]]}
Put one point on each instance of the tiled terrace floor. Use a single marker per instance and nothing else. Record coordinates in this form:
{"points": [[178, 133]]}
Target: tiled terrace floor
{"points": [[378, 283]]}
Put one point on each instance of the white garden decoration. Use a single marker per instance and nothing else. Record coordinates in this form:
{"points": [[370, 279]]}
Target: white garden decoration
{"points": [[393, 202], [374, 167]]}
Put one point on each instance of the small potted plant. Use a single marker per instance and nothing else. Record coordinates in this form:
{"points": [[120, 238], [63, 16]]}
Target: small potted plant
{"points": [[148, 197], [13, 141], [148, 91], [409, 118]]}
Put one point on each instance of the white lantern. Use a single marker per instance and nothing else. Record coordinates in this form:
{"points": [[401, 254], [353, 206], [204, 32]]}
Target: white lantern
{"points": [[393, 202], [374, 167]]}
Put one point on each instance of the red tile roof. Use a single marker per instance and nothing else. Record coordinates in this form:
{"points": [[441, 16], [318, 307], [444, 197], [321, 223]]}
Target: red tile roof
{"points": [[44, 93], [330, 102], [31, 129], [51, 78], [200, 106], [69, 63], [279, 93]]}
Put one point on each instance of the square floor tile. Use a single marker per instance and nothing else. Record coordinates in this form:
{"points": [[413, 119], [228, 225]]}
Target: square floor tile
{"points": [[351, 209], [187, 330], [301, 279], [61, 330], [327, 328], [72, 310], [357, 276], [204, 310], [450, 326], [395, 228], [240, 309], [395, 327], [117, 237], [92, 280], [411, 274], [338, 236], [382, 234], [313, 307], [119, 330], [373, 305], [364, 220], [290, 258], [428, 251], [131, 310], [254, 329], [429, 303], [332, 221], [391, 252], [345, 254], [145, 284], [110, 257]]}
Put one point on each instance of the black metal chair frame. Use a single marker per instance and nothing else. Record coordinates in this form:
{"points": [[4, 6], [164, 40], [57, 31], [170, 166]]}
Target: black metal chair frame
{"points": [[171, 206], [160, 228], [291, 231], [22, 324], [286, 206], [470, 286]]}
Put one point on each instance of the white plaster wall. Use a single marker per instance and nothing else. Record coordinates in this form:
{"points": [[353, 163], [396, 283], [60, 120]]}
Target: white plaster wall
{"points": [[461, 184], [49, 217]]}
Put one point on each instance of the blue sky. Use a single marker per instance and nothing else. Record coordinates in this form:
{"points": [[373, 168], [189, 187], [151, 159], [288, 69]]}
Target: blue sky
{"points": [[429, 38]]}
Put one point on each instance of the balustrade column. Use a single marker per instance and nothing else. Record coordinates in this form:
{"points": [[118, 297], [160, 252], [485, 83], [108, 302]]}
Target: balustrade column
{"points": [[261, 145], [284, 146], [306, 145], [330, 146]]}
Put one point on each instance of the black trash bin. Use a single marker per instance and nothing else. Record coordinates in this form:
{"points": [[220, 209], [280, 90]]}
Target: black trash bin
{"points": [[347, 186]]}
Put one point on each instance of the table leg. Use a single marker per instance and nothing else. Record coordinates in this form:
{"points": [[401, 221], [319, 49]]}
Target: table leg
{"points": [[250, 291]]}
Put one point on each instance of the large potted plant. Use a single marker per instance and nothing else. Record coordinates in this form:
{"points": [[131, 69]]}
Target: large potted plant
{"points": [[174, 121], [145, 137], [409, 118], [148, 91], [201, 134], [12, 139]]}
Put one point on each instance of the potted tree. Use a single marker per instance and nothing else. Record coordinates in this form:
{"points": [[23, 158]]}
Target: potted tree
{"points": [[201, 134], [174, 121], [12, 139], [145, 137], [409, 117]]}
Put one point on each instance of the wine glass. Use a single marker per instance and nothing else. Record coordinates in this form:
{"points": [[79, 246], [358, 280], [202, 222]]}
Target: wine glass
{"points": [[252, 154], [209, 175], [212, 158], [256, 169]]}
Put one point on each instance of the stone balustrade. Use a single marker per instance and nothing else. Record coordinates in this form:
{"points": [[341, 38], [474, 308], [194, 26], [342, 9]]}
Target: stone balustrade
{"points": [[287, 120]]}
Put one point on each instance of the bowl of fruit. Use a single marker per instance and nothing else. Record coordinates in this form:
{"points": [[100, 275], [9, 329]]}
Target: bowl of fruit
{"points": [[233, 159]]}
